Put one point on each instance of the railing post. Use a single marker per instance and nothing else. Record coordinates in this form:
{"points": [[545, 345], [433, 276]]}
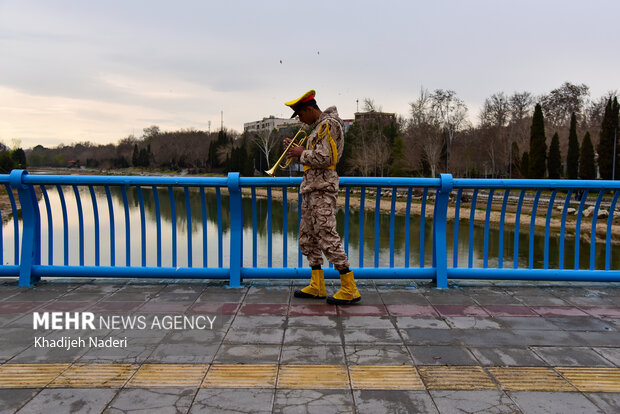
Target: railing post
{"points": [[440, 251], [236, 229], [31, 237]]}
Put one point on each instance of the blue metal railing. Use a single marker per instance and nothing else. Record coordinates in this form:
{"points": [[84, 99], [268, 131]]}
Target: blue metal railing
{"points": [[91, 226]]}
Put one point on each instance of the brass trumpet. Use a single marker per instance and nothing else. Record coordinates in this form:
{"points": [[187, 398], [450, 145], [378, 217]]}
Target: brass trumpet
{"points": [[272, 170]]}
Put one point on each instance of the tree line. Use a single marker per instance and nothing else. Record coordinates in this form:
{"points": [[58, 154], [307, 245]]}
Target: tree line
{"points": [[562, 134]]}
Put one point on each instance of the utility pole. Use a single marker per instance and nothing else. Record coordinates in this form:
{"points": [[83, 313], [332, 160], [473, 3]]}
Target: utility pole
{"points": [[222, 124]]}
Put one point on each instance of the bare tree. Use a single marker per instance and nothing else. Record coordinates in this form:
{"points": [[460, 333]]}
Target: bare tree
{"points": [[424, 131], [361, 155], [266, 141], [381, 152], [594, 111], [521, 105], [452, 112], [496, 110], [371, 150], [493, 120], [371, 106], [561, 102]]}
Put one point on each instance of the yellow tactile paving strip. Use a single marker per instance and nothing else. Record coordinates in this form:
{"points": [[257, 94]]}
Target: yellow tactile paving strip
{"points": [[530, 379], [168, 375], [403, 377], [29, 375], [593, 379], [455, 378], [94, 376], [313, 376], [374, 377], [241, 376]]}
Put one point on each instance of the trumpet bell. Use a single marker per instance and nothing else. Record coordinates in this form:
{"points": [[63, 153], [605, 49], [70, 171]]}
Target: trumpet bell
{"points": [[272, 170], [281, 163]]}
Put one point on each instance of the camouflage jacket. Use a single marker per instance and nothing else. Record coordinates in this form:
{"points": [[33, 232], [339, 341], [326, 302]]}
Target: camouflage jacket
{"points": [[323, 150]]}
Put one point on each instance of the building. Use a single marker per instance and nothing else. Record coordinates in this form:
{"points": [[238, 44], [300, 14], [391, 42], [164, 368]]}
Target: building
{"points": [[347, 124], [381, 117], [268, 124]]}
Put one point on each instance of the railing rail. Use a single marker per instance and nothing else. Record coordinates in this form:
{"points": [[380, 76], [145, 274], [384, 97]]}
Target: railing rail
{"points": [[104, 219]]}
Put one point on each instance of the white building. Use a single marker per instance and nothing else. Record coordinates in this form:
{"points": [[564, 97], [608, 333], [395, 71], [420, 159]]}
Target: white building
{"points": [[268, 124], [347, 124]]}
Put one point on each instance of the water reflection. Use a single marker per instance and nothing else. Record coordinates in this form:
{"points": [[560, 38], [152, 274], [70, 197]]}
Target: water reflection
{"points": [[205, 245]]}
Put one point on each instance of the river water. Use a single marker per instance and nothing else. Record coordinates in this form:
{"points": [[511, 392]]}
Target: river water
{"points": [[209, 244]]}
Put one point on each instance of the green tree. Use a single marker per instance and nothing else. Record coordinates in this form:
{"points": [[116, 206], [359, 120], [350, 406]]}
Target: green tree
{"points": [[214, 147], [555, 158], [241, 160], [213, 163], [516, 164], [135, 156], [247, 169], [587, 165], [525, 165], [59, 161], [345, 164], [538, 146], [572, 158], [19, 157], [398, 158], [605, 147], [151, 132], [6, 162], [144, 157]]}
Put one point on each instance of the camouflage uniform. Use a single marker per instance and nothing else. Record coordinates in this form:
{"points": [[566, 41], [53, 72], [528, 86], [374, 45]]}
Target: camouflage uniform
{"points": [[319, 189]]}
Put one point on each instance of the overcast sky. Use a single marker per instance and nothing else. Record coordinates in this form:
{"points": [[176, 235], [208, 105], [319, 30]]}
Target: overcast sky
{"points": [[98, 71]]}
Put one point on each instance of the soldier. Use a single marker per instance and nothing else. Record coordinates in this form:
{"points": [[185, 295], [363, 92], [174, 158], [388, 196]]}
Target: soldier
{"points": [[319, 189]]}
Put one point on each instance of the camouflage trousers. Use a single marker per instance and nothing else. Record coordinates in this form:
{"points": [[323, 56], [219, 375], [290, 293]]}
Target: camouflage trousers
{"points": [[318, 230]]}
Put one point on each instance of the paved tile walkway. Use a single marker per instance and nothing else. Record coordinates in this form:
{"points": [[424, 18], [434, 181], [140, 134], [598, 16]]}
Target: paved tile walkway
{"points": [[407, 347]]}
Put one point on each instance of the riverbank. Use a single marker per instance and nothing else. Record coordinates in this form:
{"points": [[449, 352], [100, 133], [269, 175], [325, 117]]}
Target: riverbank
{"points": [[5, 205]]}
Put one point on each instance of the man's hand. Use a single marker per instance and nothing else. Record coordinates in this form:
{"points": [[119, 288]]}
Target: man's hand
{"points": [[295, 150]]}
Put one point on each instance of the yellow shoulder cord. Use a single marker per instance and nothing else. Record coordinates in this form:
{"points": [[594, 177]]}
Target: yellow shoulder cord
{"points": [[333, 150]]}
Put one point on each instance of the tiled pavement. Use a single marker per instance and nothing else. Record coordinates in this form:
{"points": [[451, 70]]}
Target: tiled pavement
{"points": [[504, 332]]}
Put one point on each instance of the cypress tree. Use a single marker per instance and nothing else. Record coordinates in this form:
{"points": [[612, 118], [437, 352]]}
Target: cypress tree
{"points": [[605, 146], [398, 155], [538, 146], [19, 156], [572, 158], [555, 158], [525, 165], [515, 156], [213, 162], [6, 162], [135, 155], [587, 165]]}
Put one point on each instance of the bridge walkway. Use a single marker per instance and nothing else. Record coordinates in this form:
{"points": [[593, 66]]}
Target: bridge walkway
{"points": [[518, 347]]}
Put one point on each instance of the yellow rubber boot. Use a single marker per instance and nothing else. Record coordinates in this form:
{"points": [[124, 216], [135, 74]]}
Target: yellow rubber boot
{"points": [[348, 293], [316, 288]]}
